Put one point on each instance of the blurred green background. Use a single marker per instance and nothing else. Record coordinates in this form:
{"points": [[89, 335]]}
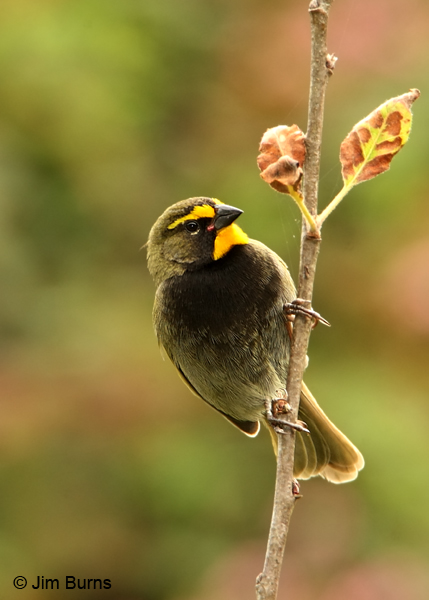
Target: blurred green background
{"points": [[110, 111]]}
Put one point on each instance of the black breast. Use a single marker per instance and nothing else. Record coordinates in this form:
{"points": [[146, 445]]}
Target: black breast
{"points": [[231, 293]]}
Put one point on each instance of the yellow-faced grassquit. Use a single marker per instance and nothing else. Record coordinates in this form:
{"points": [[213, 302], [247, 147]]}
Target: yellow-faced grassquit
{"points": [[219, 315]]}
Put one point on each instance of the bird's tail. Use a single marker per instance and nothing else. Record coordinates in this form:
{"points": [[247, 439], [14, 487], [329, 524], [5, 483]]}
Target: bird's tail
{"points": [[325, 451]]}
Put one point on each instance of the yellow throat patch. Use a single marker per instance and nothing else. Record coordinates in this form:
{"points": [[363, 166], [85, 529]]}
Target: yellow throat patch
{"points": [[228, 237]]}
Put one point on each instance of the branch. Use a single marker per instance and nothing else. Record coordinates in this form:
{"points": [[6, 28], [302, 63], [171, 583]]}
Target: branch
{"points": [[284, 498]]}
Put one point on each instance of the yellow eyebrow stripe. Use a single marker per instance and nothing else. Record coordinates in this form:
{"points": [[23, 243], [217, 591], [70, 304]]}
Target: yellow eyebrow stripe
{"points": [[200, 212]]}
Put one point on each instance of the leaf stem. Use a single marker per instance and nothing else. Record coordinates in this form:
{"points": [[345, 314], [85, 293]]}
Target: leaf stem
{"points": [[320, 219], [313, 224]]}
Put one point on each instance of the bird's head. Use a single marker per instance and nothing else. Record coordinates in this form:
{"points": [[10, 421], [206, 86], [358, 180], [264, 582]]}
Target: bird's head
{"points": [[191, 234]]}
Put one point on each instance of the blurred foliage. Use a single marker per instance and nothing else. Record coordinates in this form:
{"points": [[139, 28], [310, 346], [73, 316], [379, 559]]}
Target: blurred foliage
{"points": [[109, 112]]}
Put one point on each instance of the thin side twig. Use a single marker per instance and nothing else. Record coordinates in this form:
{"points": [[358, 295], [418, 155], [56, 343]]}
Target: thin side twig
{"points": [[284, 498]]}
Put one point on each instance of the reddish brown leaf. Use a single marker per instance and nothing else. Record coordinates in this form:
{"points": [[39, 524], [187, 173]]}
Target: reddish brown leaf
{"points": [[282, 154]]}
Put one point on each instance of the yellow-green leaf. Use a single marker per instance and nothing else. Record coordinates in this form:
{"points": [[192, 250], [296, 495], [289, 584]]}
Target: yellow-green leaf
{"points": [[369, 148]]}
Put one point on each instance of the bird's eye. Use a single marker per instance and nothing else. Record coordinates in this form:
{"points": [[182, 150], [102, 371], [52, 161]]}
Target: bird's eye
{"points": [[192, 226]]}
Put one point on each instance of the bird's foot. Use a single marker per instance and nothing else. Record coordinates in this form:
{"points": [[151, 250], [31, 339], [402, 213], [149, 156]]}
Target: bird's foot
{"points": [[279, 406], [298, 307], [280, 426]]}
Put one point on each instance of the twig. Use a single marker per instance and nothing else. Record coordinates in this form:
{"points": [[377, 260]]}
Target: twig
{"points": [[284, 498]]}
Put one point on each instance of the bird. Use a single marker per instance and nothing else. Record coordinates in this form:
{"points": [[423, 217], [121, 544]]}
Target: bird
{"points": [[219, 315]]}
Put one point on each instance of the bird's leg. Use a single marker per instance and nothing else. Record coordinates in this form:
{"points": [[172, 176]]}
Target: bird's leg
{"points": [[298, 306], [279, 406], [289, 325]]}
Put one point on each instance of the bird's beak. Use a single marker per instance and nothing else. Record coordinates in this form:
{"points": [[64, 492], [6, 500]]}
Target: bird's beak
{"points": [[225, 215]]}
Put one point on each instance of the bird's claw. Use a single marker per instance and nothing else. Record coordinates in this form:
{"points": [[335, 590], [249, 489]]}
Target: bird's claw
{"points": [[295, 489], [298, 307]]}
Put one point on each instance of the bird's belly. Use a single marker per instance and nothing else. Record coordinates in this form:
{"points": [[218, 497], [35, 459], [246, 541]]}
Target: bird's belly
{"points": [[235, 371]]}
